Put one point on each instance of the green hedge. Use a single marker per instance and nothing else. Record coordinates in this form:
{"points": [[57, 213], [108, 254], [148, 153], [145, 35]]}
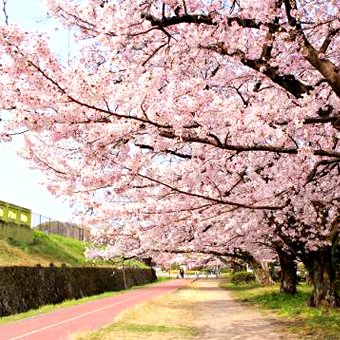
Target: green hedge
{"points": [[25, 288], [242, 277]]}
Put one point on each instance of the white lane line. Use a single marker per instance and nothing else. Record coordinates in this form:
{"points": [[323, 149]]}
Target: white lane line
{"points": [[77, 317]]}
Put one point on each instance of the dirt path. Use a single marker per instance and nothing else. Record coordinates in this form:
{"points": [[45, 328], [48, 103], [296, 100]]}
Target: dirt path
{"points": [[60, 324], [219, 317], [201, 311]]}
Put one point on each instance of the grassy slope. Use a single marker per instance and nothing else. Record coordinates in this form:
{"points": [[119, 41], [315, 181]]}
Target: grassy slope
{"points": [[44, 250], [52, 248]]}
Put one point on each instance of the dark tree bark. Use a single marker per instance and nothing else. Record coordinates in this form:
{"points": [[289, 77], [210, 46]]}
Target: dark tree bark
{"points": [[319, 263], [321, 270], [288, 265]]}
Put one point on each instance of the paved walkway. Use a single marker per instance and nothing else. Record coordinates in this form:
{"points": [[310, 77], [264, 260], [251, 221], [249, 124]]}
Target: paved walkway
{"points": [[219, 317], [60, 324]]}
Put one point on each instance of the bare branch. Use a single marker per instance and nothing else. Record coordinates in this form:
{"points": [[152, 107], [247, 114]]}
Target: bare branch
{"points": [[39, 160], [326, 163], [331, 34], [4, 9], [154, 53], [167, 151]]}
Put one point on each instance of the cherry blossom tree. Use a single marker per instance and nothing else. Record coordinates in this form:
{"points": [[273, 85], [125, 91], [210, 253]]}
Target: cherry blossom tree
{"points": [[196, 243], [313, 243], [183, 112]]}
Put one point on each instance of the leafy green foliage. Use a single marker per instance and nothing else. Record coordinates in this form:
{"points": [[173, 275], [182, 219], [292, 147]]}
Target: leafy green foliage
{"points": [[242, 277]]}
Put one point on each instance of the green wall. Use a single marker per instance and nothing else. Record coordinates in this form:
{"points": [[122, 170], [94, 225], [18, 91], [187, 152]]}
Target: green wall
{"points": [[15, 214]]}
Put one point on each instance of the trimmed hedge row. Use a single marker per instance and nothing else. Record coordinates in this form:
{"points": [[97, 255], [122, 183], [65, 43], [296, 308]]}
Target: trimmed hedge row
{"points": [[25, 288], [242, 277]]}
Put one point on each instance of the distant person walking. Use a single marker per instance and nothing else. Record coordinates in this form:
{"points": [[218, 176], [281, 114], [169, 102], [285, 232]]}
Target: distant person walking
{"points": [[181, 273]]}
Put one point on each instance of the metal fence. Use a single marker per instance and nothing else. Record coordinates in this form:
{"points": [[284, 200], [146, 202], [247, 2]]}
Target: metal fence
{"points": [[51, 226]]}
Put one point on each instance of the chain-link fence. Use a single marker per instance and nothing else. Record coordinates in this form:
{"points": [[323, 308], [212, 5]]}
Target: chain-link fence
{"points": [[51, 226]]}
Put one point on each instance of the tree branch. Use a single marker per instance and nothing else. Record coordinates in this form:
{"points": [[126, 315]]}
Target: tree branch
{"points": [[241, 148], [207, 19], [4, 10], [288, 82], [171, 152], [331, 34], [208, 198]]}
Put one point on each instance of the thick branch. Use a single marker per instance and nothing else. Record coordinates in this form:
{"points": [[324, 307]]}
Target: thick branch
{"points": [[206, 19], [178, 19], [241, 148], [288, 82], [331, 34], [327, 68], [315, 120]]}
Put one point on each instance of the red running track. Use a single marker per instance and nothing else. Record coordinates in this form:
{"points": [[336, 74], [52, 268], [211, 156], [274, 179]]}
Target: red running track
{"points": [[62, 323]]}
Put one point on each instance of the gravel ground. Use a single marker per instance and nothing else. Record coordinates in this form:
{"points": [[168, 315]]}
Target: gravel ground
{"points": [[219, 317]]}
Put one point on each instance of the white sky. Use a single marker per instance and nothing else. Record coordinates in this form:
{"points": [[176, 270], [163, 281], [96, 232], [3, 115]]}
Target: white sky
{"points": [[19, 184]]}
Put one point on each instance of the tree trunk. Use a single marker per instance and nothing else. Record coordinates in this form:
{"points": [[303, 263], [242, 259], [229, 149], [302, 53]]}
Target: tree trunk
{"points": [[124, 276], [288, 271], [321, 271], [309, 279], [261, 272], [265, 274]]}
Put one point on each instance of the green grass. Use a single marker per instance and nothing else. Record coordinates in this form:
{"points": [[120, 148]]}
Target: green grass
{"points": [[70, 303], [150, 329], [57, 248], [310, 323], [47, 249], [169, 317], [44, 250]]}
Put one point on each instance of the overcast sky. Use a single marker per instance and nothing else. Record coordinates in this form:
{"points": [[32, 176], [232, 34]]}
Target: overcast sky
{"points": [[19, 184]]}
